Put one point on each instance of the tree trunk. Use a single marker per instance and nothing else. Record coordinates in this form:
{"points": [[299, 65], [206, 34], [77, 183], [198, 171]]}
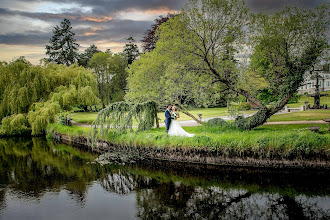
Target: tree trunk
{"points": [[185, 111]]}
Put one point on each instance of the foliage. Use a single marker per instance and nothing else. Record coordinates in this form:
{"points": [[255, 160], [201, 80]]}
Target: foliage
{"points": [[208, 35], [244, 106], [111, 76], [63, 118], [14, 125], [85, 57], [63, 48], [150, 39], [39, 92], [216, 122], [131, 50], [42, 114], [120, 115], [156, 76]]}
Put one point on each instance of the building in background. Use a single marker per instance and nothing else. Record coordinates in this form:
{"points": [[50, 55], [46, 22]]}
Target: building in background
{"points": [[311, 79]]}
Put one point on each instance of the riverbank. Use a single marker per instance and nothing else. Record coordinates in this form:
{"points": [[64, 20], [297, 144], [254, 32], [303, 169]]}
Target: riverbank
{"points": [[285, 146]]}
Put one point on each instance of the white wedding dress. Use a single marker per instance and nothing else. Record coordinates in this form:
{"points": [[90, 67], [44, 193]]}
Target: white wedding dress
{"points": [[176, 130]]}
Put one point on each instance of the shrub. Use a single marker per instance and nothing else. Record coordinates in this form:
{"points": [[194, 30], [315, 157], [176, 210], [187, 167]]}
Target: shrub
{"points": [[216, 122], [244, 106], [15, 125]]}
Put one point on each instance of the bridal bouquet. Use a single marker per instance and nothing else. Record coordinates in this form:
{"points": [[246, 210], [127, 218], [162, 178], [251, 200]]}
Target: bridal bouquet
{"points": [[174, 115]]}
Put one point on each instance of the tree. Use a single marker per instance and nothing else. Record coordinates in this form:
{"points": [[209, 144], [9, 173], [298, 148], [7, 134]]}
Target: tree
{"points": [[63, 48], [158, 77], [150, 39], [131, 50], [285, 44], [39, 93], [111, 76], [84, 58]]}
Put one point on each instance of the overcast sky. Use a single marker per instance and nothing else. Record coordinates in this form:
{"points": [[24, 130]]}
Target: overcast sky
{"points": [[26, 25]]}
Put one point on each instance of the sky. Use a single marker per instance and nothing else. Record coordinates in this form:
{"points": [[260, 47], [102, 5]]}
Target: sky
{"points": [[26, 25]]}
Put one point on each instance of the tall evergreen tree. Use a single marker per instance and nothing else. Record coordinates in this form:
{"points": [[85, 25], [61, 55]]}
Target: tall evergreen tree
{"points": [[131, 50], [84, 58], [63, 48]]}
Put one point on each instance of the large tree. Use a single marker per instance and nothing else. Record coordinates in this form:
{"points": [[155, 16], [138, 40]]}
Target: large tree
{"points": [[62, 48], [285, 44]]}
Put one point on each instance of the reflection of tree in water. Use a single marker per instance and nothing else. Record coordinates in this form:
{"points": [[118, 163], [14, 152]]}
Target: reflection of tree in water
{"points": [[33, 166], [120, 181], [177, 201]]}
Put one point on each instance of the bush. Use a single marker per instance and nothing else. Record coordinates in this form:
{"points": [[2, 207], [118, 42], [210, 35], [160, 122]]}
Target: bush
{"points": [[244, 106], [216, 122], [15, 125]]}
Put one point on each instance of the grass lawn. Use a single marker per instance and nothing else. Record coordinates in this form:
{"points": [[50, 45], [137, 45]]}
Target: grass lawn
{"points": [[303, 98], [84, 117], [89, 117], [310, 115]]}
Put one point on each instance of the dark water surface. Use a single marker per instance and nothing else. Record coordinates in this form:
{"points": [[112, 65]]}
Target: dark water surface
{"points": [[43, 180]]}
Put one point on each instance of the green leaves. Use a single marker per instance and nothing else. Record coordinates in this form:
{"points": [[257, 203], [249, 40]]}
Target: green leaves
{"points": [[63, 48], [39, 92]]}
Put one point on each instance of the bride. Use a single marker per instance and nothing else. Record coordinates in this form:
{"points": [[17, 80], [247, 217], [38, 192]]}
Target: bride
{"points": [[176, 129]]}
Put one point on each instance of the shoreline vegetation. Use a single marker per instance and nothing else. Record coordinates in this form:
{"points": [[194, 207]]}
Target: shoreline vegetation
{"points": [[279, 146]]}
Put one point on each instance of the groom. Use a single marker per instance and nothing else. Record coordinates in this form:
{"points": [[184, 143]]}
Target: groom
{"points": [[167, 117]]}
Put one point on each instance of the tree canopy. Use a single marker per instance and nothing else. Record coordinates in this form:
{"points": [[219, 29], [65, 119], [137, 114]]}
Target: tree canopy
{"points": [[209, 36], [38, 93], [110, 70], [150, 39], [62, 48]]}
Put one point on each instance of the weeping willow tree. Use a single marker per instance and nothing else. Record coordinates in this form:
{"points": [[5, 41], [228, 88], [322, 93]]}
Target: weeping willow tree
{"points": [[119, 117]]}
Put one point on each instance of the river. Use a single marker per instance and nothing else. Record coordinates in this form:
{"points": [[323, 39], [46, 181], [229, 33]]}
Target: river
{"points": [[43, 180]]}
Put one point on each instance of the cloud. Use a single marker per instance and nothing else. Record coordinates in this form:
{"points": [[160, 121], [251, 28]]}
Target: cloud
{"points": [[106, 23]]}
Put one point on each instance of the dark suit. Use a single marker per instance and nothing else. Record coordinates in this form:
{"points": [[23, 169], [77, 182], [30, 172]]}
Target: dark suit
{"points": [[167, 119]]}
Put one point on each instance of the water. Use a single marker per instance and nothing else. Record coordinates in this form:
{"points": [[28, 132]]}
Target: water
{"points": [[42, 180]]}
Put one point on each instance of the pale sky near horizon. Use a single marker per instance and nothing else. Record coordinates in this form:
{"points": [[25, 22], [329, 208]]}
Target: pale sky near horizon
{"points": [[26, 25]]}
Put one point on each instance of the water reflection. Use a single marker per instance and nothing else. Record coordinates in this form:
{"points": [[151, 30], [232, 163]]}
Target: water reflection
{"points": [[36, 174]]}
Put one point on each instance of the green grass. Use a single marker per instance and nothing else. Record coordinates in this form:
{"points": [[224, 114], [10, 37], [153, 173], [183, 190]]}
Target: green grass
{"points": [[89, 117], [310, 115], [267, 141], [84, 117], [303, 98]]}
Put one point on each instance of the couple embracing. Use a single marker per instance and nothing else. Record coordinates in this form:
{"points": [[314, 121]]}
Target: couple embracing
{"points": [[172, 125]]}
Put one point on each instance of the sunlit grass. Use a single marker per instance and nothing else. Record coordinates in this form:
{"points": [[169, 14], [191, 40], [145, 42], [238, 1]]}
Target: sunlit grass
{"points": [[89, 117], [324, 100], [309, 115]]}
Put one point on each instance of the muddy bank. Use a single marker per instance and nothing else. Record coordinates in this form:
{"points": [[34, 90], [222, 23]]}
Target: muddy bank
{"points": [[206, 156]]}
